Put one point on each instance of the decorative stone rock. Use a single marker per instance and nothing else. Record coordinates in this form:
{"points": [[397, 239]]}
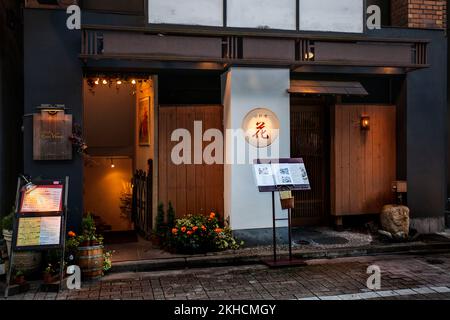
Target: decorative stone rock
{"points": [[385, 233], [395, 220]]}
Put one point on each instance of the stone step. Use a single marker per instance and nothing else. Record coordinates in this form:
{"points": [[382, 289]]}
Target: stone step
{"points": [[221, 260]]}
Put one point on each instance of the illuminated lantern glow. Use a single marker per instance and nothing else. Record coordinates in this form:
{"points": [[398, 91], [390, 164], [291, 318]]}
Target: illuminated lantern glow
{"points": [[365, 123], [261, 127]]}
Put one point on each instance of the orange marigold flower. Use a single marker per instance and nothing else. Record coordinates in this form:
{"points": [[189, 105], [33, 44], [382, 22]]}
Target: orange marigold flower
{"points": [[218, 230], [72, 234], [212, 215], [195, 228], [174, 230], [203, 228], [183, 229], [189, 233]]}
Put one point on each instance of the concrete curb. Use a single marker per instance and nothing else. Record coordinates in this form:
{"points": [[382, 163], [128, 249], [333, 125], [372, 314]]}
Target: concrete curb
{"points": [[208, 261]]}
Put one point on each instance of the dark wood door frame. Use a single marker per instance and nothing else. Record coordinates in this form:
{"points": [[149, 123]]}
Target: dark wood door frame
{"points": [[311, 116]]}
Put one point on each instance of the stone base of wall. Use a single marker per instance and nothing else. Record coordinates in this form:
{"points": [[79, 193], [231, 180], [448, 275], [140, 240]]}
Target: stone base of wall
{"points": [[261, 237], [428, 225]]}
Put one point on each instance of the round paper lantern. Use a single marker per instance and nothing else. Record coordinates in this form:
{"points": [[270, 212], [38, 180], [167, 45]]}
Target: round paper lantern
{"points": [[261, 127]]}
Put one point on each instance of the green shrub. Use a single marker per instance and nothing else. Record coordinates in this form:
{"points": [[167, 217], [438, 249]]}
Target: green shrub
{"points": [[8, 221], [89, 230], [159, 227], [170, 216], [200, 234], [107, 261], [88, 225]]}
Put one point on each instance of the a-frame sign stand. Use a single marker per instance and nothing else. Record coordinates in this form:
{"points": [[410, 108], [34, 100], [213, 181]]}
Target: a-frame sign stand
{"points": [[39, 220], [267, 182]]}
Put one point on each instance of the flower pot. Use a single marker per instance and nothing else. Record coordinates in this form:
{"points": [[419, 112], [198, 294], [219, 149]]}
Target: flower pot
{"points": [[7, 235], [90, 261], [20, 280], [85, 243], [27, 261], [288, 203], [49, 278], [2, 268]]}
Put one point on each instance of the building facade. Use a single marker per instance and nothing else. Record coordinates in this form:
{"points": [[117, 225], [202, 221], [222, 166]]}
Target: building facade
{"points": [[11, 100], [136, 72]]}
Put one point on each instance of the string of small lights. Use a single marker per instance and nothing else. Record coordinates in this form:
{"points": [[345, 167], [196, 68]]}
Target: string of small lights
{"points": [[115, 80]]}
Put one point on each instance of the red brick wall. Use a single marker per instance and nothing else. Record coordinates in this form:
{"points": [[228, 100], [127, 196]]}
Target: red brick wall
{"points": [[419, 13]]}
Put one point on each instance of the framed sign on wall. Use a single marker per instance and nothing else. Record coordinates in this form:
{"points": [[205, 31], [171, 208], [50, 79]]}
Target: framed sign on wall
{"points": [[144, 121], [51, 132]]}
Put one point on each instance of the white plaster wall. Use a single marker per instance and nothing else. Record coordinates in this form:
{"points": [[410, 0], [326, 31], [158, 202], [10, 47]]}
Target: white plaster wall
{"points": [[273, 14], [332, 15], [244, 90], [189, 12]]}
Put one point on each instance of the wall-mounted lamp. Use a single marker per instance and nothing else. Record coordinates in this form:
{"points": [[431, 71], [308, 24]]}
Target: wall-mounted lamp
{"points": [[309, 56], [112, 164], [29, 186], [365, 123]]}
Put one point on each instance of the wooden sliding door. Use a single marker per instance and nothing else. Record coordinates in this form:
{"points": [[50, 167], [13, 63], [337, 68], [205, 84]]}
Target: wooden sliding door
{"points": [[192, 188], [363, 161], [309, 140]]}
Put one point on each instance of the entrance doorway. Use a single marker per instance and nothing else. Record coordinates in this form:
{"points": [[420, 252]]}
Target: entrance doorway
{"points": [[118, 129], [310, 141], [128, 123]]}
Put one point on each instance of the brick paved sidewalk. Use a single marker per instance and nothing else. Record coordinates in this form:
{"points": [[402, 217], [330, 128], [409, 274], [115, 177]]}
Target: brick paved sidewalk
{"points": [[403, 277]]}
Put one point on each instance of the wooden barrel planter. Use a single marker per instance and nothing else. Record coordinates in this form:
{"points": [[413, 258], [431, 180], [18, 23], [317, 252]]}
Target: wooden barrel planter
{"points": [[90, 261]]}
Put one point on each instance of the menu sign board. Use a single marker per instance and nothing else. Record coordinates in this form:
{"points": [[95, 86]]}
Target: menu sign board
{"points": [[274, 175], [44, 198], [38, 231], [40, 217]]}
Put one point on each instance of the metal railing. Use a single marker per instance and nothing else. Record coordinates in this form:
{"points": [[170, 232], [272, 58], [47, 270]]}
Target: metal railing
{"points": [[142, 203]]}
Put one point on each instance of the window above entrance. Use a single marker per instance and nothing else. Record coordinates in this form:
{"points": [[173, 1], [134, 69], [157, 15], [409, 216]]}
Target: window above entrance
{"points": [[308, 15]]}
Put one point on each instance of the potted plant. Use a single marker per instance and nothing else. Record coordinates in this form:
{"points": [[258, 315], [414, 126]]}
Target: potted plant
{"points": [[72, 244], [88, 236], [160, 227], [19, 278], [7, 230], [90, 249], [107, 261], [2, 267], [49, 274]]}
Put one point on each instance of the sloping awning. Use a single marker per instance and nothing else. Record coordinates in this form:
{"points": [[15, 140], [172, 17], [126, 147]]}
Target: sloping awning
{"points": [[327, 87]]}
